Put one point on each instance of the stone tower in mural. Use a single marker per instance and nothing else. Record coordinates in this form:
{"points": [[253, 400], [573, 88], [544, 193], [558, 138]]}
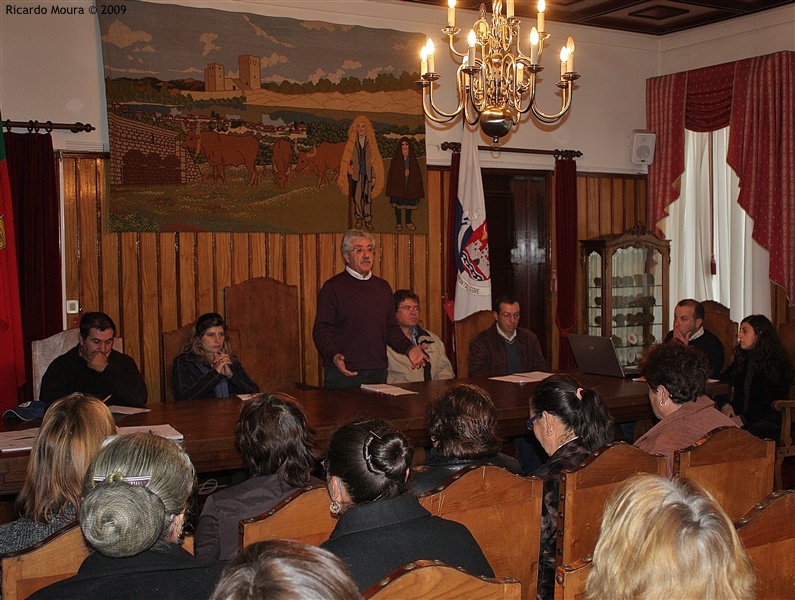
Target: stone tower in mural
{"points": [[214, 77], [250, 69]]}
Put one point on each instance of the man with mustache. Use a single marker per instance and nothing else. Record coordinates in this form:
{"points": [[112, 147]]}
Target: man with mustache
{"points": [[356, 321]]}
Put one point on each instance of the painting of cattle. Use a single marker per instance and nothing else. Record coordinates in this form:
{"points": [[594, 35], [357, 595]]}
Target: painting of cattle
{"points": [[216, 126], [320, 160]]}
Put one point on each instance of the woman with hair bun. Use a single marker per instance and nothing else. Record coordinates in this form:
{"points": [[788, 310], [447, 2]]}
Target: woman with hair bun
{"points": [[207, 368], [136, 494], [382, 525], [570, 422]]}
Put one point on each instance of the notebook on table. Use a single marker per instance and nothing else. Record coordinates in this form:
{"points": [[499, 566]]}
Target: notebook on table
{"points": [[597, 355]]}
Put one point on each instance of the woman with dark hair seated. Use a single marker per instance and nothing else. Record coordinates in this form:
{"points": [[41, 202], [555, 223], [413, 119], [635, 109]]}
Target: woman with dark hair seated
{"points": [[760, 374], [70, 435], [382, 525], [136, 494], [570, 422], [462, 424], [285, 570], [207, 368], [677, 380], [277, 448]]}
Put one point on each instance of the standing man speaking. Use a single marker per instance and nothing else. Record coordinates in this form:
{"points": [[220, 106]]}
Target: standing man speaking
{"points": [[356, 321]]}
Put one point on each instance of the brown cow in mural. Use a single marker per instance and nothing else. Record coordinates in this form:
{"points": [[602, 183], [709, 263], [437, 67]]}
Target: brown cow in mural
{"points": [[281, 161], [320, 159], [224, 150]]}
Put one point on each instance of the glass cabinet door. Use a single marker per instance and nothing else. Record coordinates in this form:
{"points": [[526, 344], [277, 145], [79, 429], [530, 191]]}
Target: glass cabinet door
{"points": [[595, 293]]}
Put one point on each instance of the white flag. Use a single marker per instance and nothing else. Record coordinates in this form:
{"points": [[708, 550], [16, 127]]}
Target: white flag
{"points": [[473, 285]]}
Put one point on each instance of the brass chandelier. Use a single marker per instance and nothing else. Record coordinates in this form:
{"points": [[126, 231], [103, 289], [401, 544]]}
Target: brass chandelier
{"points": [[496, 80]]}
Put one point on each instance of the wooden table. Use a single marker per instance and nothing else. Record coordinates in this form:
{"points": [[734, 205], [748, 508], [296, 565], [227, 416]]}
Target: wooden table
{"points": [[208, 425]]}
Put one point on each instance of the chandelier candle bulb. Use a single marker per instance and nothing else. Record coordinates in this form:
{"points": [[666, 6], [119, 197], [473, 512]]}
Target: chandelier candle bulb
{"points": [[423, 61], [542, 6], [430, 48], [509, 9], [471, 50], [570, 61], [451, 13], [519, 73], [534, 46], [564, 59]]}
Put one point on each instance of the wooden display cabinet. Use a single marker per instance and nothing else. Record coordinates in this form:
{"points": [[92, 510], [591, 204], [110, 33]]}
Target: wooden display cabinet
{"points": [[625, 289]]}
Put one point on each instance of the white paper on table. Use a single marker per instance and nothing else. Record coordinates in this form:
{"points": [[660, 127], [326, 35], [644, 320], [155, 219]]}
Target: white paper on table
{"points": [[18, 440], [166, 431], [127, 410], [530, 377], [385, 388]]}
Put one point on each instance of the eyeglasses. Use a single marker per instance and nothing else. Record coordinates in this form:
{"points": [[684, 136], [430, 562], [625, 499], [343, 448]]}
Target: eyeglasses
{"points": [[531, 420], [359, 250], [410, 308]]}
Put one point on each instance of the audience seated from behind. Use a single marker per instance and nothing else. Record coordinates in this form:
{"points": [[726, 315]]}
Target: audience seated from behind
{"points": [[70, 435], [136, 493], [382, 525], [285, 570], [570, 422], [667, 539], [760, 374], [677, 380], [207, 368], [94, 367], [689, 330], [462, 424], [277, 448]]}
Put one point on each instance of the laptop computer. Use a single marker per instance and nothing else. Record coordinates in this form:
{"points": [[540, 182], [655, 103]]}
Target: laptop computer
{"points": [[597, 355]]}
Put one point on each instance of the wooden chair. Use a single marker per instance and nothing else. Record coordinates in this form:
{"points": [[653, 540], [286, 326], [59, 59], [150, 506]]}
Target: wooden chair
{"points": [[786, 332], [768, 533], [717, 320], [585, 490], [270, 350], [503, 512], [733, 465], [304, 516], [465, 330], [173, 342], [43, 352], [435, 580], [785, 447], [570, 579]]}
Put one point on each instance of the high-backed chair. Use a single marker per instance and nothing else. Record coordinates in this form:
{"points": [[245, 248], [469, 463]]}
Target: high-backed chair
{"points": [[304, 516], [173, 343], [735, 466], [570, 579], [585, 490], [435, 580], [785, 448], [43, 352], [768, 533], [717, 320], [503, 512], [270, 344], [465, 330], [786, 332]]}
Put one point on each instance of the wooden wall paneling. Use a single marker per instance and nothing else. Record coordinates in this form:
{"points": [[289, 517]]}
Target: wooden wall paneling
{"points": [[619, 205], [241, 257], [130, 293], [592, 201], [328, 262], [256, 254], [275, 256], [70, 240], [186, 273], [222, 260], [307, 295], [169, 283], [293, 261], [385, 262], [89, 221], [206, 286], [404, 262], [604, 204], [109, 266], [434, 253], [151, 363]]}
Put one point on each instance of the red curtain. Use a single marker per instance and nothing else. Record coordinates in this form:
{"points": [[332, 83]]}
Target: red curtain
{"points": [[566, 235], [34, 187], [754, 97]]}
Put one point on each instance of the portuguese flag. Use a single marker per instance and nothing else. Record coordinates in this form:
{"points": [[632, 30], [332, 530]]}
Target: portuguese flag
{"points": [[12, 357]]}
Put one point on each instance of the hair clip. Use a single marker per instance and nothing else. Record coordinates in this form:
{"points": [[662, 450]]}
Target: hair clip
{"points": [[142, 480]]}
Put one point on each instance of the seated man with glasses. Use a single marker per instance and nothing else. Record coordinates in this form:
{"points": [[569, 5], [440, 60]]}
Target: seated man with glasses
{"points": [[407, 313], [355, 320], [505, 348]]}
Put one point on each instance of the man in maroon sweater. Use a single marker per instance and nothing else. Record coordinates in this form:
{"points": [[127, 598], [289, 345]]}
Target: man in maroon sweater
{"points": [[356, 321]]}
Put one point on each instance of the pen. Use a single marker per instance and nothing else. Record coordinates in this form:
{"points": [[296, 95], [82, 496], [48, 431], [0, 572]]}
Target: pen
{"points": [[107, 397]]}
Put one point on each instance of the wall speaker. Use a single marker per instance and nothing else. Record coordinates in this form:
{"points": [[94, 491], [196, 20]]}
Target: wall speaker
{"points": [[643, 142]]}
